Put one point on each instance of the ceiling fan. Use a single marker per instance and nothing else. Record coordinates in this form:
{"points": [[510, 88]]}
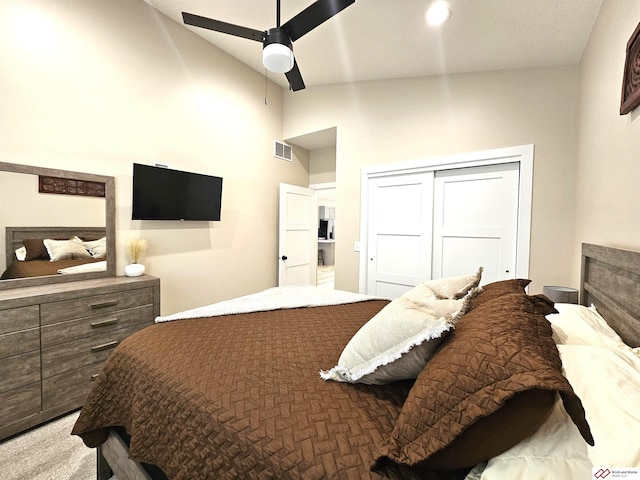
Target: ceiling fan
{"points": [[277, 50]]}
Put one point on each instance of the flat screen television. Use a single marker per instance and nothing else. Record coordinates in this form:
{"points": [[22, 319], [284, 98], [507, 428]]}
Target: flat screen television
{"points": [[165, 194]]}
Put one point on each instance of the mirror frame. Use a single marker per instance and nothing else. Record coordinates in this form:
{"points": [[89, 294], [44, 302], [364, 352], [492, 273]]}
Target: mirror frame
{"points": [[110, 225]]}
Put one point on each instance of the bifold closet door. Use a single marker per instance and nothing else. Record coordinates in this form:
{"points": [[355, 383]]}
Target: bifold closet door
{"points": [[475, 221], [399, 232]]}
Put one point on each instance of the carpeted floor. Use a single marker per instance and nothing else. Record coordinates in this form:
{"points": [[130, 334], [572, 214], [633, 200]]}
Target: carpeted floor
{"points": [[48, 452]]}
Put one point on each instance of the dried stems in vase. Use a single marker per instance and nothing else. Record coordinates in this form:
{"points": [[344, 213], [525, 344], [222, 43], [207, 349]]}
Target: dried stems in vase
{"points": [[136, 248]]}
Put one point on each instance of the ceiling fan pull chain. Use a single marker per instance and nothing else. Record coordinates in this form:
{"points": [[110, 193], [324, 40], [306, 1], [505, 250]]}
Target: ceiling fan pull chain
{"points": [[266, 84]]}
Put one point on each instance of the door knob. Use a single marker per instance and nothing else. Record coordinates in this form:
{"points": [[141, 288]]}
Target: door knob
{"points": [[284, 257]]}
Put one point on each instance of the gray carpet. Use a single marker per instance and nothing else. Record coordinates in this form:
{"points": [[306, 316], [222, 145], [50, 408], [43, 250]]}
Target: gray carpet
{"points": [[49, 452]]}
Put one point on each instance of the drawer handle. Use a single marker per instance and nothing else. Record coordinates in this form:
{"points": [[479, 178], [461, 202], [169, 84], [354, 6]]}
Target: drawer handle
{"points": [[104, 323], [104, 346], [108, 303]]}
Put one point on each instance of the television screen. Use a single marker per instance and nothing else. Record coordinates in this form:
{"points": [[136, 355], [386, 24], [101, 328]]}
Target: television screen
{"points": [[164, 194]]}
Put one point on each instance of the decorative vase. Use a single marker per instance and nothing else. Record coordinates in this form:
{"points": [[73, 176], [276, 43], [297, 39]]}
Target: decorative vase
{"points": [[134, 270]]}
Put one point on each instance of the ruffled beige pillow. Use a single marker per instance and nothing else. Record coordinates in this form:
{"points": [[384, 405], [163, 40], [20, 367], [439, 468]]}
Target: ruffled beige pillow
{"points": [[397, 342], [449, 287]]}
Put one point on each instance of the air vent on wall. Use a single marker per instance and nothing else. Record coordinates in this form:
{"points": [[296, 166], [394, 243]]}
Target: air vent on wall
{"points": [[281, 150]]}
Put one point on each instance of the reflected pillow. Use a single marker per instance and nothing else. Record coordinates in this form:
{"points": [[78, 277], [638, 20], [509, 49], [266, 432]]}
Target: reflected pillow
{"points": [[97, 248], [35, 249], [21, 254], [64, 249]]}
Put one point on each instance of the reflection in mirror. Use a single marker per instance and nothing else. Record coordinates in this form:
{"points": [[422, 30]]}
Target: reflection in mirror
{"points": [[50, 238]]}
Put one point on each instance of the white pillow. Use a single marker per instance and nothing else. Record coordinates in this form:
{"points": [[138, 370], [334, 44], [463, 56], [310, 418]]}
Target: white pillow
{"points": [[397, 342], [608, 383], [64, 249], [97, 248], [555, 450], [580, 325]]}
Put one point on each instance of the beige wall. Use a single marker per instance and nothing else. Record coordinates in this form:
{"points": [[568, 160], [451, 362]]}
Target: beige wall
{"points": [[95, 86], [608, 169], [402, 120], [322, 165]]}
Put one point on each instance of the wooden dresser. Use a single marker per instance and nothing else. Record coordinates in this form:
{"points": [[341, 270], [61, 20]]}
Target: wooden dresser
{"points": [[54, 340]]}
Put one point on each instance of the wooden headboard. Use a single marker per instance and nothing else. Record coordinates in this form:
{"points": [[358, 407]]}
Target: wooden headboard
{"points": [[611, 281], [15, 235]]}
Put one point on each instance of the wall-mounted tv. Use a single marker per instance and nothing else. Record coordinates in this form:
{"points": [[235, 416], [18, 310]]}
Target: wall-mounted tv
{"points": [[164, 194]]}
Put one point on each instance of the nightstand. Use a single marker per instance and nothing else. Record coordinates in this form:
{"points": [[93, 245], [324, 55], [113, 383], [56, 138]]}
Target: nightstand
{"points": [[561, 294]]}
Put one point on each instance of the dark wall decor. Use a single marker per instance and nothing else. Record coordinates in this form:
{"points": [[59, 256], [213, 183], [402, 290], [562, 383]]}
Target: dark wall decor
{"points": [[631, 79], [68, 186]]}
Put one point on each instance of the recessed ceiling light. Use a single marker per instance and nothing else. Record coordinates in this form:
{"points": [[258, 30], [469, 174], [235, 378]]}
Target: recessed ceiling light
{"points": [[438, 13]]}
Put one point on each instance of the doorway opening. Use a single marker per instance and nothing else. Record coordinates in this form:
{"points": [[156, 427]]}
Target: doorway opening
{"points": [[326, 194]]}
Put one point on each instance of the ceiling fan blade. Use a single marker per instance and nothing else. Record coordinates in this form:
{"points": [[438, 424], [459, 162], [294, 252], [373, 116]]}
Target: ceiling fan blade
{"points": [[218, 26], [312, 16], [295, 78]]}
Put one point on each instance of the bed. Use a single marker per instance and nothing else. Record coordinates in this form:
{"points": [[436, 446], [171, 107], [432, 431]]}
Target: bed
{"points": [[299, 388], [88, 254]]}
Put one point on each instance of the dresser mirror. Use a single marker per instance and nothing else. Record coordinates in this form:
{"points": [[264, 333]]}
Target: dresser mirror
{"points": [[43, 203]]}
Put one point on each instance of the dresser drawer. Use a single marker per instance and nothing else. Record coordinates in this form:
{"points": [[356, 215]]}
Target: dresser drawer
{"points": [[63, 357], [85, 327], [69, 385], [19, 370], [19, 403], [23, 318], [54, 312], [19, 342]]}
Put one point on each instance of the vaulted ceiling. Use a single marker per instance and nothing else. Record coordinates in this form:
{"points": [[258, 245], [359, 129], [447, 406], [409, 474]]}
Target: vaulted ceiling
{"points": [[382, 39]]}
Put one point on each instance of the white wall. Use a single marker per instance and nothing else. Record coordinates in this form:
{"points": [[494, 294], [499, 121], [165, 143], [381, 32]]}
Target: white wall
{"points": [[401, 120], [94, 86], [608, 169]]}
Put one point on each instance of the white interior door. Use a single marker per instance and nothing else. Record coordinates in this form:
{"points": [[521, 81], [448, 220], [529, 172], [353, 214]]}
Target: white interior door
{"points": [[398, 246], [297, 236], [475, 221]]}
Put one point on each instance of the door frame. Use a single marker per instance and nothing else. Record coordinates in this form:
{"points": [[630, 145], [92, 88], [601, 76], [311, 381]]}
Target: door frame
{"points": [[522, 154]]}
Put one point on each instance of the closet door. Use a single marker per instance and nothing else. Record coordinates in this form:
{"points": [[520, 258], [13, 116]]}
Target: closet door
{"points": [[399, 238], [475, 221]]}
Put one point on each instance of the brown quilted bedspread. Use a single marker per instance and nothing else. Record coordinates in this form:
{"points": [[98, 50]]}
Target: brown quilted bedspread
{"points": [[39, 268], [239, 397]]}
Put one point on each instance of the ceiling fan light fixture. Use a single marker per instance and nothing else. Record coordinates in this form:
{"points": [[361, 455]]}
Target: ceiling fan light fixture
{"points": [[277, 58]]}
